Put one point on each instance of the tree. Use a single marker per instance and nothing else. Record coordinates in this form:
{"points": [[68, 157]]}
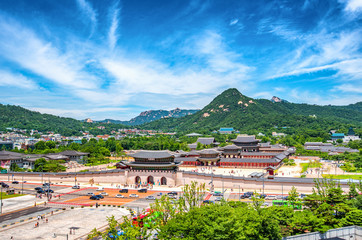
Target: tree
{"points": [[293, 196], [41, 145], [39, 165], [50, 144], [193, 194]]}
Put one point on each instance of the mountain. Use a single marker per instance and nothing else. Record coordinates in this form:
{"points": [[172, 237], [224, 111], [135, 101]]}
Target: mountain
{"points": [[17, 117], [152, 115], [275, 99], [233, 109]]}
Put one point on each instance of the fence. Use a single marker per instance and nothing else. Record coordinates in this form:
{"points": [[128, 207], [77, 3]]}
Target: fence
{"points": [[350, 233]]}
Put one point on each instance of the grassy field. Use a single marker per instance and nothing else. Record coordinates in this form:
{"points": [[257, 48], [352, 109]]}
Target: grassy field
{"points": [[4, 196], [356, 177], [305, 166]]}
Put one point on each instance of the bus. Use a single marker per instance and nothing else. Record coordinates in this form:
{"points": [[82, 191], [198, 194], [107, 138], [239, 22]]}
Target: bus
{"points": [[286, 203]]}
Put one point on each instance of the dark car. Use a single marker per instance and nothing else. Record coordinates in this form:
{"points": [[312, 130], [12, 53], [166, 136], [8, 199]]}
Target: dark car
{"points": [[262, 195], [15, 182], [4, 185], [208, 201], [99, 196], [123, 190], [217, 194], [46, 184], [143, 190], [38, 188], [172, 193], [40, 191], [76, 187], [94, 197], [49, 190]]}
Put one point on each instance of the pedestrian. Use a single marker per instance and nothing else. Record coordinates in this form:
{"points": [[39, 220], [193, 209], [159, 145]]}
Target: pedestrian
{"points": [[46, 220], [38, 217], [52, 213], [45, 203]]}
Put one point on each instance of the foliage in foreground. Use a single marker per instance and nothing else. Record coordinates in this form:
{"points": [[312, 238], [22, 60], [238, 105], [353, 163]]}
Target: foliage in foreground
{"points": [[328, 207]]}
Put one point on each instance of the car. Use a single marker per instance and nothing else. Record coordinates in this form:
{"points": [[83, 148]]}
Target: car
{"points": [[218, 198], [46, 184], [217, 194], [38, 188], [265, 204], [172, 193], [4, 185], [133, 195], [124, 190], [150, 198], [76, 187], [90, 193], [120, 196], [49, 190], [15, 182], [94, 197], [172, 196], [159, 194], [262, 195], [100, 189], [302, 195], [285, 197], [99, 196], [245, 195], [208, 201], [143, 190], [40, 191], [104, 194], [279, 197], [271, 197]]}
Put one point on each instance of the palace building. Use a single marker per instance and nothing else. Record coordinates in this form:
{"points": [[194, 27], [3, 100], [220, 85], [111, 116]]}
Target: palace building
{"points": [[153, 160]]}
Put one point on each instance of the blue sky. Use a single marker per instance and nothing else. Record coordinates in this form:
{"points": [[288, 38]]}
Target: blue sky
{"points": [[113, 59]]}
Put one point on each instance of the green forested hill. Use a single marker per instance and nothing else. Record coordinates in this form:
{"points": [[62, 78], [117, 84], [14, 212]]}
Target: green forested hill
{"points": [[232, 109], [17, 117]]}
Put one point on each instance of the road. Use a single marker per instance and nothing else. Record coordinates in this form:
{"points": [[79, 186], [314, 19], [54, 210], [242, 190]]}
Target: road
{"points": [[21, 213]]}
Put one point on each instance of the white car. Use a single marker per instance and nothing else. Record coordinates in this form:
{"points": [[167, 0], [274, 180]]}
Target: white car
{"points": [[270, 197], [120, 196], [104, 194], [76, 187], [150, 198], [133, 195], [100, 189]]}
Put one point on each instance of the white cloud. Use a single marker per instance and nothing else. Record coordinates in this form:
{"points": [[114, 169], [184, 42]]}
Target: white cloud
{"points": [[353, 5], [41, 57], [16, 80], [234, 21], [351, 88], [112, 33], [89, 12]]}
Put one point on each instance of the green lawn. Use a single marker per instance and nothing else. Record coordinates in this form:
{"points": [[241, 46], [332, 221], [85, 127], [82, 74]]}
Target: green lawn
{"points": [[357, 177], [305, 166], [4, 196]]}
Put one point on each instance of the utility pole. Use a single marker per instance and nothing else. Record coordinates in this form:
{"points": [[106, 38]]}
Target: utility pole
{"points": [[263, 182], [22, 184], [282, 193], [1, 201]]}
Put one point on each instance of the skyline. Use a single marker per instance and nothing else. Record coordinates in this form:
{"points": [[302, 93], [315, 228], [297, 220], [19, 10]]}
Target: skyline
{"points": [[81, 59]]}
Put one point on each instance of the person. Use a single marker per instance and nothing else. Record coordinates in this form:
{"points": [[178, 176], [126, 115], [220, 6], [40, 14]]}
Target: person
{"points": [[46, 220]]}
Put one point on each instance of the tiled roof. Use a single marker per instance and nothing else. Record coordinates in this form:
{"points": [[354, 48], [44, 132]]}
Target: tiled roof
{"points": [[151, 154], [250, 160], [206, 141]]}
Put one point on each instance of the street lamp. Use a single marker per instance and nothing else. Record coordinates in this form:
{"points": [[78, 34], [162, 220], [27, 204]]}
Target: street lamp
{"points": [[239, 189]]}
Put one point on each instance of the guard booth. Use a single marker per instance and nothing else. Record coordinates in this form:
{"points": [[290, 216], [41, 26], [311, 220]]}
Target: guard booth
{"points": [[270, 171]]}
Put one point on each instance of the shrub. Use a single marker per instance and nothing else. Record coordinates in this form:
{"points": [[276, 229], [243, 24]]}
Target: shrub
{"points": [[71, 207]]}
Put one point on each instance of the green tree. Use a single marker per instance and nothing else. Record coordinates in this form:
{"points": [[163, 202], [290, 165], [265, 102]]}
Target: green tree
{"points": [[293, 196], [41, 145], [39, 165]]}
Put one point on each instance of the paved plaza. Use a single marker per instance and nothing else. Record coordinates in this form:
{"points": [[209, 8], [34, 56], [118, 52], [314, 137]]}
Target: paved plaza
{"points": [[82, 219]]}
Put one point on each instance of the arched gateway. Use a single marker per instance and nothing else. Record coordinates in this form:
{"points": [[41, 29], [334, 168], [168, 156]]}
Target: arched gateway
{"points": [[150, 180], [137, 180], [163, 181]]}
